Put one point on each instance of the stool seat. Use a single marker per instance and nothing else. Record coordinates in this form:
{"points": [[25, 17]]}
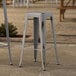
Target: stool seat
{"points": [[33, 14], [47, 14], [39, 32]]}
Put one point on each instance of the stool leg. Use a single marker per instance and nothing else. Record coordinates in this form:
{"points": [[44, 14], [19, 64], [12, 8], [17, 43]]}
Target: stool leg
{"points": [[44, 42], [23, 41], [6, 27], [54, 39], [41, 39], [36, 35]]}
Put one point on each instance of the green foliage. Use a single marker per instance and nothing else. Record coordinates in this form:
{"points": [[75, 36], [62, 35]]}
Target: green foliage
{"points": [[12, 30]]}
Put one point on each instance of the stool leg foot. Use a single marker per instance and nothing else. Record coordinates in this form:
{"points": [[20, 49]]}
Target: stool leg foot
{"points": [[44, 68], [19, 65], [11, 63], [58, 63], [10, 59], [35, 60], [35, 55]]}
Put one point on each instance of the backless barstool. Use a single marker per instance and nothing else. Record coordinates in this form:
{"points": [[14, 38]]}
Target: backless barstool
{"points": [[39, 31], [7, 32]]}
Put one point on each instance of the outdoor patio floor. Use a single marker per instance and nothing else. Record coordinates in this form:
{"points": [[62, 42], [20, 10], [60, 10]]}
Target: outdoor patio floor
{"points": [[67, 57]]}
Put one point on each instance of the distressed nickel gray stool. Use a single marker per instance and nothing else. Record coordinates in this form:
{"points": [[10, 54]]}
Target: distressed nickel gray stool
{"points": [[39, 29]]}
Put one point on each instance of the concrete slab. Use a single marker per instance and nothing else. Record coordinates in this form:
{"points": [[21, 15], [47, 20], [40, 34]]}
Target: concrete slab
{"points": [[67, 56]]}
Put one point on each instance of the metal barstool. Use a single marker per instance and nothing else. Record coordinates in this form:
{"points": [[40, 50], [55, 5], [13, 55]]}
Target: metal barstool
{"points": [[39, 29]]}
